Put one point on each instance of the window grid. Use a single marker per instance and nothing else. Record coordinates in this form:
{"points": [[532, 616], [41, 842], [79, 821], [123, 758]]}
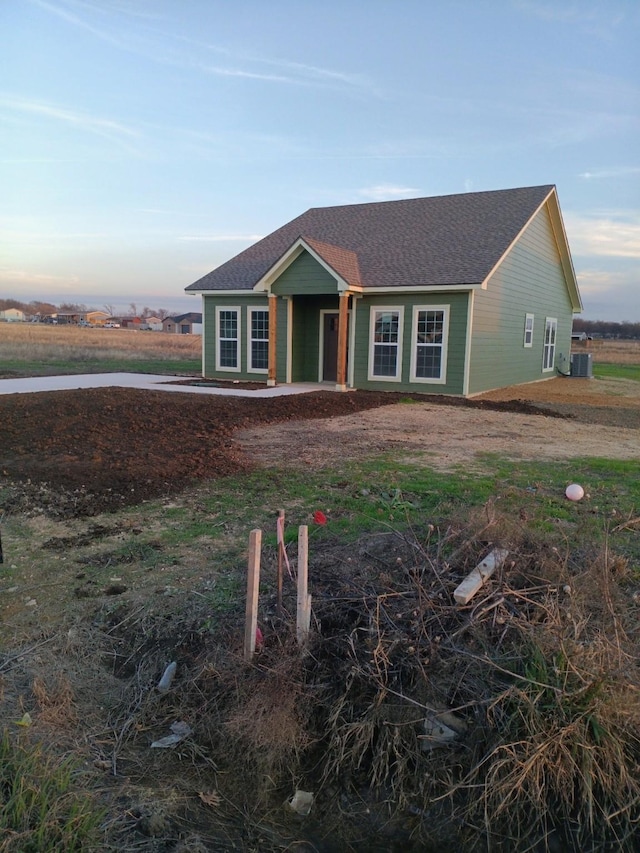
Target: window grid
{"points": [[430, 336], [386, 340], [550, 332], [259, 345], [228, 338], [528, 330]]}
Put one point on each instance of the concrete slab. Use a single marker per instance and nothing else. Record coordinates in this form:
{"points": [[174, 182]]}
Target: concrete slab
{"points": [[150, 382]]}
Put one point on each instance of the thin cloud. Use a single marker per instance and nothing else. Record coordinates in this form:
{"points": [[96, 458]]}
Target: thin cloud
{"points": [[614, 235], [222, 238], [25, 277], [620, 172], [386, 192], [91, 124]]}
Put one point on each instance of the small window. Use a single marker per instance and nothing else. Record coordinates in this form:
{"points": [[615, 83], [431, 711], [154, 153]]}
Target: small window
{"points": [[227, 350], [550, 332], [258, 340], [528, 330], [429, 343], [385, 353]]}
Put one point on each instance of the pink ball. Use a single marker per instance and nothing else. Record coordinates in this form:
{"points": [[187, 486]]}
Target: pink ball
{"points": [[574, 492]]}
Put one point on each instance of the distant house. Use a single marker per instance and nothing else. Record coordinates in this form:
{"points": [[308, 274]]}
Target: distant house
{"points": [[183, 324], [12, 315], [455, 294], [96, 318], [152, 323]]}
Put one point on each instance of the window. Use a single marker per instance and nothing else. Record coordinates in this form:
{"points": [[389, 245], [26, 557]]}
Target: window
{"points": [[385, 335], [429, 343], [550, 331], [528, 330], [259, 340], [228, 326]]}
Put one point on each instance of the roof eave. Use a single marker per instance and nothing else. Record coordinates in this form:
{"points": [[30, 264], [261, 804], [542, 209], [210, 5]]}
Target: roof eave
{"points": [[284, 261]]}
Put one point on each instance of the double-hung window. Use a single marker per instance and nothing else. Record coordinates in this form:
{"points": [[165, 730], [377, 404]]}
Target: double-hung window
{"points": [[258, 340], [228, 338], [549, 352], [429, 343], [385, 351], [528, 330]]}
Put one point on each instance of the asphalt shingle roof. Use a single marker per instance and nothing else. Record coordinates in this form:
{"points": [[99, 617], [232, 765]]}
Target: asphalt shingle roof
{"points": [[436, 241]]}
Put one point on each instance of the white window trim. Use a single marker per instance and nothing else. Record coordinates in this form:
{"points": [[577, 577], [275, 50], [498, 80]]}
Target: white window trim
{"points": [[238, 311], [551, 324], [528, 343], [375, 309], [442, 379], [251, 311]]}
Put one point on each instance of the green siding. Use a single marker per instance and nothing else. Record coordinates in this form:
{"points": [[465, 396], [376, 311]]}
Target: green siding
{"points": [[529, 281], [457, 303], [211, 333], [305, 276]]}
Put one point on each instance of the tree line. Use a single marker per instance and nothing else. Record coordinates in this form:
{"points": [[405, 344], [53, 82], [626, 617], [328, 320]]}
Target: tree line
{"points": [[606, 329], [48, 308]]}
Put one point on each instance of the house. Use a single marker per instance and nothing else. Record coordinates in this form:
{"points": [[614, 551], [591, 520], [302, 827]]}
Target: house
{"points": [[183, 324], [454, 294], [96, 318], [153, 324], [12, 315]]}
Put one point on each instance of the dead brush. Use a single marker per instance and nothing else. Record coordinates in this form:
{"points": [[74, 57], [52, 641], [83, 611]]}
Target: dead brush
{"points": [[267, 722], [56, 703], [562, 759]]}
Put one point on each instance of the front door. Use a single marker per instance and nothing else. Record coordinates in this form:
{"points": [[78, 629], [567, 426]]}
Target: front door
{"points": [[330, 348]]}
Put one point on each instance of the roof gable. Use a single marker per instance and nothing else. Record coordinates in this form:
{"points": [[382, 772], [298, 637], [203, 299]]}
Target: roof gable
{"points": [[426, 242]]}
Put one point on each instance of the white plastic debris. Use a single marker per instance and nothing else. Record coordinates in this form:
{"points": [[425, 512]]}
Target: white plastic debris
{"points": [[167, 677], [180, 731], [301, 803]]}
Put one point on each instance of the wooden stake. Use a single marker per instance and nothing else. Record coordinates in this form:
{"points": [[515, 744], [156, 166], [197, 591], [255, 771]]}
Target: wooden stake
{"points": [[482, 572], [253, 588], [303, 613], [280, 540]]}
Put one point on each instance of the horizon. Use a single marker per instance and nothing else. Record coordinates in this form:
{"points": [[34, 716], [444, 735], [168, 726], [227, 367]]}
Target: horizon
{"points": [[146, 144]]}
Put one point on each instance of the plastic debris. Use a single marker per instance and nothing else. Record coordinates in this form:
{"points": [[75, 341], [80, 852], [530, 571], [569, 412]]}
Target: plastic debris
{"points": [[25, 721], [301, 803], [180, 731], [319, 517], [167, 677]]}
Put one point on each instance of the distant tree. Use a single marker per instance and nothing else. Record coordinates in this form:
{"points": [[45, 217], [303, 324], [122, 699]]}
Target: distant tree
{"points": [[161, 313], [134, 308], [110, 309], [72, 308], [146, 312], [5, 304], [36, 307]]}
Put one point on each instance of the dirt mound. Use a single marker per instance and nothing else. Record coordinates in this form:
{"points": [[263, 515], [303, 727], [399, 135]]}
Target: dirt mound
{"points": [[78, 453]]}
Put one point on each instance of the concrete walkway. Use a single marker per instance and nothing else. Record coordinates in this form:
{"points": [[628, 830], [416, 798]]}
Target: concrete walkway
{"points": [[148, 382]]}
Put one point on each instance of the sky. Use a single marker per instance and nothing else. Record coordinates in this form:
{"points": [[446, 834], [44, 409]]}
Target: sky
{"points": [[145, 142]]}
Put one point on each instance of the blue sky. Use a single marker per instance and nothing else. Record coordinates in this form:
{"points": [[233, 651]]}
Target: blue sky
{"points": [[144, 142]]}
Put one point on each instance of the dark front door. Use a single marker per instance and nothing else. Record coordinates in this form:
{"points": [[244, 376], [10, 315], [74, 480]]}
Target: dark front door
{"points": [[330, 347]]}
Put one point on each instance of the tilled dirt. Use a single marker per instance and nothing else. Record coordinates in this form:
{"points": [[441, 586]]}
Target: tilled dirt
{"points": [[79, 453]]}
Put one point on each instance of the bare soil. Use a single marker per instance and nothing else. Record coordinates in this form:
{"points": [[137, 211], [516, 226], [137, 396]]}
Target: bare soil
{"points": [[79, 453], [89, 626]]}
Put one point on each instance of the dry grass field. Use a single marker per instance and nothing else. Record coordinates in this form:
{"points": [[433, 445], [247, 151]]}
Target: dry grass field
{"points": [[31, 348], [610, 352]]}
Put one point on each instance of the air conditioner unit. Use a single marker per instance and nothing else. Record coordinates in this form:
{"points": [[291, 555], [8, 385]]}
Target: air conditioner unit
{"points": [[582, 365]]}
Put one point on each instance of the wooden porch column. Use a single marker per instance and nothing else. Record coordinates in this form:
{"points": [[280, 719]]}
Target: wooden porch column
{"points": [[273, 312], [343, 330]]}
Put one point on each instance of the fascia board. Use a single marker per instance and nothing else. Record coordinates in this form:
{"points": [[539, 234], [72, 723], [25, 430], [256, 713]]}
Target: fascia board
{"points": [[418, 288]]}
